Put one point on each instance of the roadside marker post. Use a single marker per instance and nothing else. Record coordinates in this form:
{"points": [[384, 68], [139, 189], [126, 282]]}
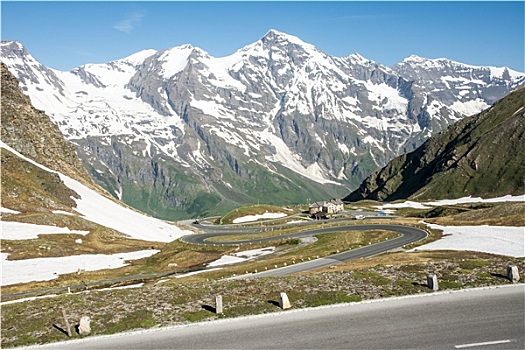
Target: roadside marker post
{"points": [[218, 304], [432, 282]]}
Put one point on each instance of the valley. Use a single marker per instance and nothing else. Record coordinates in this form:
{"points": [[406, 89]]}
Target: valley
{"points": [[129, 188], [173, 285], [181, 296]]}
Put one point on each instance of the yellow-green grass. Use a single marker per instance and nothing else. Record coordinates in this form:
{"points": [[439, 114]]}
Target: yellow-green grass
{"points": [[497, 214], [325, 245], [180, 301], [255, 210]]}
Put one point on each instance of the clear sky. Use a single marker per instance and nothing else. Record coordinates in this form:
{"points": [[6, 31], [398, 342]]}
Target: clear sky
{"points": [[64, 35]]}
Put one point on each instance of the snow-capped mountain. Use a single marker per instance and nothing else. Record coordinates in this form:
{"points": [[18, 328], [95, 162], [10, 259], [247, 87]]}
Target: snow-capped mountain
{"points": [[480, 155], [464, 88], [178, 132]]}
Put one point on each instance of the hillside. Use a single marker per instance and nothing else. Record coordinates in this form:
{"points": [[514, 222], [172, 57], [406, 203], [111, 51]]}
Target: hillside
{"points": [[31, 132], [482, 155], [44, 183]]}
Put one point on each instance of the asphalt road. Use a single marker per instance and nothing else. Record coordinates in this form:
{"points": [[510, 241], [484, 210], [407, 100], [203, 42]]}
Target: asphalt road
{"points": [[408, 235], [488, 318]]}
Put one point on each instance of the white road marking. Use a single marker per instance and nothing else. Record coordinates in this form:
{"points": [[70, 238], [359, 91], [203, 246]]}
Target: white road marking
{"points": [[483, 344]]}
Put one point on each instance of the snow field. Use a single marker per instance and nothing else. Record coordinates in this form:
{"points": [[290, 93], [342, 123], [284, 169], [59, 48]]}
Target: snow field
{"points": [[464, 200], [500, 240], [103, 211], [93, 207], [45, 269], [19, 230]]}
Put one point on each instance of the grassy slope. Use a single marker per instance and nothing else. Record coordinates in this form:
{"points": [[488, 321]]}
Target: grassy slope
{"points": [[179, 301]]}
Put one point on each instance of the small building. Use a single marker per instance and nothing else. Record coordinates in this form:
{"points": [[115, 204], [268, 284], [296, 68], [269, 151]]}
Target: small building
{"points": [[315, 207], [330, 207], [335, 206]]}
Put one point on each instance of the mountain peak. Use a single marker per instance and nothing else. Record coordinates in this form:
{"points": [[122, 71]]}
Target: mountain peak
{"points": [[12, 46], [275, 36], [139, 57], [11, 42], [276, 33], [356, 58], [414, 58], [277, 106]]}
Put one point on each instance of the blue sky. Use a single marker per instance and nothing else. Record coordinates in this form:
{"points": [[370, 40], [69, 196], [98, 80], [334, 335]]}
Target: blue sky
{"points": [[64, 35]]}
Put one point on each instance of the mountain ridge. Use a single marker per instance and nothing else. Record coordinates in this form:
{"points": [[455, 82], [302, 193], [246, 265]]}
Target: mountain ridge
{"points": [[181, 127], [481, 155]]}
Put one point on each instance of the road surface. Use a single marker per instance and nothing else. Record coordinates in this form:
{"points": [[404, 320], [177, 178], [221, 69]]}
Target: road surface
{"points": [[485, 318], [408, 235]]}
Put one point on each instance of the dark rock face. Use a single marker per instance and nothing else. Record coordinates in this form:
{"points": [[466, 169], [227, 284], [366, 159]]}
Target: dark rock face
{"points": [[26, 187], [31, 132]]}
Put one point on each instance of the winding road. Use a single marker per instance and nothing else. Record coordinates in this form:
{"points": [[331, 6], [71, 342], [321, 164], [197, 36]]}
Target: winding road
{"points": [[407, 235]]}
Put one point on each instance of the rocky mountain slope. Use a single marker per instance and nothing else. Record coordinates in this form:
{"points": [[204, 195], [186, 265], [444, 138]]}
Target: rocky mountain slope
{"points": [[180, 133], [43, 183], [30, 132], [482, 155]]}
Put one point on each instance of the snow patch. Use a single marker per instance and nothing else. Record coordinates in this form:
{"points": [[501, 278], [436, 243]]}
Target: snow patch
{"points": [[45, 269], [470, 107], [62, 212], [501, 240], [407, 204], [241, 256], [8, 211], [22, 231], [463, 200], [249, 218], [470, 199]]}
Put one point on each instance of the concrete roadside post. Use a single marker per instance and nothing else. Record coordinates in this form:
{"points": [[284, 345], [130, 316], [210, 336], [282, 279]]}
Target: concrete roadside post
{"points": [[432, 282], [218, 304], [284, 302], [512, 273], [84, 327]]}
